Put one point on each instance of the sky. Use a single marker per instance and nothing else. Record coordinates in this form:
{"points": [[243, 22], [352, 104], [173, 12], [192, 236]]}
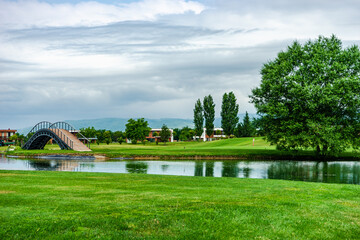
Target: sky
{"points": [[148, 58]]}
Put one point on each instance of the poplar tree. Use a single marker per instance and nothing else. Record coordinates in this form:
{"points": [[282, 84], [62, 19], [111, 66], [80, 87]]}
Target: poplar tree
{"points": [[198, 118], [229, 113], [209, 114]]}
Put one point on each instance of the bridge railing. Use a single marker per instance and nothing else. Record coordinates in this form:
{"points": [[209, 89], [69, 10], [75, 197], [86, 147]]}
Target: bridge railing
{"points": [[40, 125], [63, 137], [66, 126]]}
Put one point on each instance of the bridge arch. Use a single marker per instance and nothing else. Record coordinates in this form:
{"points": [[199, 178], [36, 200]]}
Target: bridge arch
{"points": [[42, 136], [40, 125], [60, 132], [62, 125]]}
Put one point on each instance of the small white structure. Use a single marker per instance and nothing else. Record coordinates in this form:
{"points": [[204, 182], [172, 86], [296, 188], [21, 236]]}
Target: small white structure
{"points": [[217, 133]]}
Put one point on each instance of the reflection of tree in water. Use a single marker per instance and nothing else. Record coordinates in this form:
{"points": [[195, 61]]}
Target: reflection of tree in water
{"points": [[230, 169], [209, 169], [293, 171], [164, 167], [87, 165], [136, 167], [315, 172], [342, 173], [44, 165], [247, 172], [199, 169]]}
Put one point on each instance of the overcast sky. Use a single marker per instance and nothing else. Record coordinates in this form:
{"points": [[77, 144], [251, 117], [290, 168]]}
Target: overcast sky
{"points": [[148, 58]]}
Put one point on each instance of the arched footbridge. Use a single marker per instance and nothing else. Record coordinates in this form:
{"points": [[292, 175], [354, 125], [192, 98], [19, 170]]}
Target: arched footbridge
{"points": [[61, 132]]}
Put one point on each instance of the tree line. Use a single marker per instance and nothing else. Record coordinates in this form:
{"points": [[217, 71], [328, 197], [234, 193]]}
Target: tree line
{"points": [[135, 131], [308, 98], [204, 116]]}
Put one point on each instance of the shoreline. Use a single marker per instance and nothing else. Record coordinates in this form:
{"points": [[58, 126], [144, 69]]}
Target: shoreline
{"points": [[192, 157]]}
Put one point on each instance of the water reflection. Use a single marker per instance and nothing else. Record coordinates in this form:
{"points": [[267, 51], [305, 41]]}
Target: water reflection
{"points": [[340, 172], [230, 169], [199, 169], [43, 165], [209, 169], [136, 167], [330, 172]]}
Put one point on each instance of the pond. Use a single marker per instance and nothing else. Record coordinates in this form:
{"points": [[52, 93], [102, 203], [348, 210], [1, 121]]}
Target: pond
{"points": [[328, 172]]}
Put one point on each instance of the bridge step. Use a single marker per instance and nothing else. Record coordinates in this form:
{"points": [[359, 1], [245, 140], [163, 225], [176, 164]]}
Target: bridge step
{"points": [[77, 144]]}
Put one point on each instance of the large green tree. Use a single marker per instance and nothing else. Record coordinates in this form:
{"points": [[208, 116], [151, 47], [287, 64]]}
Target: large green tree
{"points": [[165, 134], [137, 130], [198, 118], [229, 112], [176, 134], [186, 134], [310, 97], [209, 114], [107, 137], [246, 128], [89, 132]]}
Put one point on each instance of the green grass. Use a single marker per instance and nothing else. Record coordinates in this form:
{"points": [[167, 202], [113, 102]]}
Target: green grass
{"points": [[69, 205], [236, 147]]}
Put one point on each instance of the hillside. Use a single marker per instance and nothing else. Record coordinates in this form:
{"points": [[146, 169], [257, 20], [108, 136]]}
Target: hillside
{"points": [[115, 124]]}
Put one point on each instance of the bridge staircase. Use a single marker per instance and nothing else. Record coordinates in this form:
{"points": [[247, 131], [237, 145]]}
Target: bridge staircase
{"points": [[75, 143]]}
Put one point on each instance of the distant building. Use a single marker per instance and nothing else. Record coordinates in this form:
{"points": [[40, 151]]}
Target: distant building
{"points": [[153, 138], [156, 138], [217, 134], [6, 134]]}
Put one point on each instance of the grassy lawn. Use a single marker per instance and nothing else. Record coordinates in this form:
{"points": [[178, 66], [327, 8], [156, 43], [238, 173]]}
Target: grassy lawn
{"points": [[240, 147], [69, 205]]}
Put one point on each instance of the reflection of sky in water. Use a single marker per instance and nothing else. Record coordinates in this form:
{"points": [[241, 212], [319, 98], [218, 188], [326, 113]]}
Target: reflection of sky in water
{"points": [[336, 172]]}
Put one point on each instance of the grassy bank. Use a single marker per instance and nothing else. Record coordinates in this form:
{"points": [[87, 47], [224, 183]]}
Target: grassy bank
{"points": [[237, 148], [68, 205]]}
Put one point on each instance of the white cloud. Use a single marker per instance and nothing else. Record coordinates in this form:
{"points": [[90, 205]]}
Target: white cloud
{"points": [[149, 58], [32, 13]]}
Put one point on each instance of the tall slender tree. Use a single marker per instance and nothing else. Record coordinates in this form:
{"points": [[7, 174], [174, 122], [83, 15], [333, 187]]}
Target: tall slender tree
{"points": [[209, 114], [198, 118], [246, 128], [229, 112]]}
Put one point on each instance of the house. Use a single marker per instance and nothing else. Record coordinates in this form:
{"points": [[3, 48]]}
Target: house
{"points": [[154, 136], [6, 134], [217, 134], [156, 132]]}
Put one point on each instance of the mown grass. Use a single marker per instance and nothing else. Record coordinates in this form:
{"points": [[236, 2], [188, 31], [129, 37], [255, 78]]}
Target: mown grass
{"points": [[69, 205], [236, 147]]}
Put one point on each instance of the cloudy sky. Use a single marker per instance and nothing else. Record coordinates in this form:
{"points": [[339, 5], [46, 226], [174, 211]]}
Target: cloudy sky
{"points": [[147, 58]]}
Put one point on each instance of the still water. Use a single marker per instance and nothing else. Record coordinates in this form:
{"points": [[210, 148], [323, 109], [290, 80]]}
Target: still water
{"points": [[329, 172]]}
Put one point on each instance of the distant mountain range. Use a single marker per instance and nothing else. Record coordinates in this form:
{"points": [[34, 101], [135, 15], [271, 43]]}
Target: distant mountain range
{"points": [[118, 124]]}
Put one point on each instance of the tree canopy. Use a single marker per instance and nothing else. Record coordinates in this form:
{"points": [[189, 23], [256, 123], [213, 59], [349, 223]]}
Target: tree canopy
{"points": [[309, 96], [165, 133], [246, 128], [137, 130], [229, 112], [209, 114], [198, 118]]}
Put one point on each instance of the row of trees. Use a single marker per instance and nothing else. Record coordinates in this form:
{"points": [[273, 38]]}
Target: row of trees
{"points": [[103, 135], [136, 131], [205, 112]]}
